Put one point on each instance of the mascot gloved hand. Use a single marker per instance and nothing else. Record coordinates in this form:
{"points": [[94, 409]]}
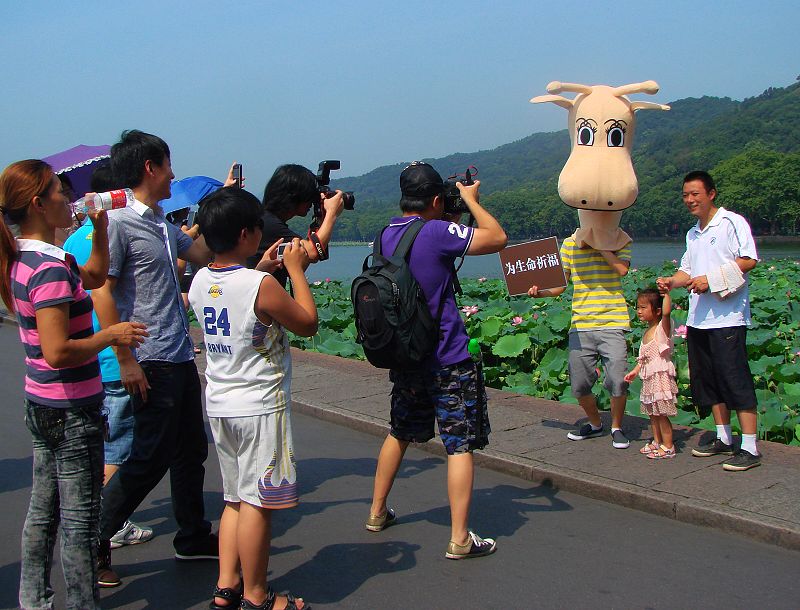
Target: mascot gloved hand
{"points": [[598, 179]]}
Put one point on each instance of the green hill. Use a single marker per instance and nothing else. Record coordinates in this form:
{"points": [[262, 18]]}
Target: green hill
{"points": [[751, 147]]}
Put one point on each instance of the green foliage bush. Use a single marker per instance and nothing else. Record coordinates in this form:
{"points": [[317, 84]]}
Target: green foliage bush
{"points": [[524, 341]]}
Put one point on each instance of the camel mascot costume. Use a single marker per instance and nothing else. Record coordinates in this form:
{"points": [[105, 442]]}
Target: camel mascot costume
{"points": [[598, 178]]}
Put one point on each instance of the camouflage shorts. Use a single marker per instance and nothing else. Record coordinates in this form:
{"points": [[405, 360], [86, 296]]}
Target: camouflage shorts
{"points": [[450, 396]]}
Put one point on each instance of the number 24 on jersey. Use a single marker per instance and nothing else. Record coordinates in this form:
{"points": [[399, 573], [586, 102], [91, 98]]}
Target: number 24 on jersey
{"points": [[215, 321]]}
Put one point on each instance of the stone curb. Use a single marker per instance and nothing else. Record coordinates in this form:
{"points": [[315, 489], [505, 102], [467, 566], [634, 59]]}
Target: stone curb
{"points": [[688, 510]]}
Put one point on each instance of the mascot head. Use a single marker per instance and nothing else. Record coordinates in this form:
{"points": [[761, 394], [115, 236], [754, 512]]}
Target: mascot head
{"points": [[598, 178]]}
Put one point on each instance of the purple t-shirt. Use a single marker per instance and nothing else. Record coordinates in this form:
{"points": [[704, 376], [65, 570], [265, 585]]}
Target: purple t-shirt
{"points": [[435, 249]]}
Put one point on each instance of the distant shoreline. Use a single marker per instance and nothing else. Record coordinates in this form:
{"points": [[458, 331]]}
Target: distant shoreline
{"points": [[760, 239]]}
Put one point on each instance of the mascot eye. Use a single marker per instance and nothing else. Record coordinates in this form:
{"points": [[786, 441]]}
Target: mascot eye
{"points": [[585, 136], [616, 137]]}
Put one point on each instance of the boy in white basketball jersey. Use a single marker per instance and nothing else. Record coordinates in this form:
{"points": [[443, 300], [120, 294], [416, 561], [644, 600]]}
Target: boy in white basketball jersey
{"points": [[243, 313]]}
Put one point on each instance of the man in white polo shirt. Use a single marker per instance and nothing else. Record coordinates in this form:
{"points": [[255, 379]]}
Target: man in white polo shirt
{"points": [[719, 252]]}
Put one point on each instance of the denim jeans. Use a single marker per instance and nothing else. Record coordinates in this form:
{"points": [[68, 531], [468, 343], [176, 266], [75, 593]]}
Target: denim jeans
{"points": [[119, 410], [67, 477], [168, 434]]}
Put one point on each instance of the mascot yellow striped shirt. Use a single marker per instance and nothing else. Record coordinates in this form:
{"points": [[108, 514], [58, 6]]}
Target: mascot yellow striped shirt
{"points": [[597, 300]]}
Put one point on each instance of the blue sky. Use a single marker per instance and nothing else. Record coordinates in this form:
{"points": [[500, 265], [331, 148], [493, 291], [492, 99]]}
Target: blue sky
{"points": [[367, 82]]}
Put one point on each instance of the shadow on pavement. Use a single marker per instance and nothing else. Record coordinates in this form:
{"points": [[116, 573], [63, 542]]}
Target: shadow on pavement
{"points": [[163, 583], [314, 472], [498, 511], [15, 473], [338, 570], [9, 577]]}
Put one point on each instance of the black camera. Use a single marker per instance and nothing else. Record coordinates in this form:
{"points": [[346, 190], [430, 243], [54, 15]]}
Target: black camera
{"points": [[453, 203], [323, 180]]}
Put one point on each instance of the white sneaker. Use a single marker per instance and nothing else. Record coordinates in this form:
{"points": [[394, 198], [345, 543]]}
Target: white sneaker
{"points": [[131, 533]]}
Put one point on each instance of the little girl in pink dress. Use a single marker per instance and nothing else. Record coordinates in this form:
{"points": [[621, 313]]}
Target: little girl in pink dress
{"points": [[657, 371]]}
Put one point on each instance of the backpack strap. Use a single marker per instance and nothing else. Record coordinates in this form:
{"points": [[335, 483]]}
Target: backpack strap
{"points": [[376, 245], [409, 235], [402, 250]]}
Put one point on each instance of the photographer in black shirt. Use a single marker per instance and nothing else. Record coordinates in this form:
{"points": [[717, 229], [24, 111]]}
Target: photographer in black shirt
{"points": [[292, 191]]}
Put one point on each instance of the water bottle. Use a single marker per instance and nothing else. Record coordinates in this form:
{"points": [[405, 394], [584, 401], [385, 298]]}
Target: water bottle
{"points": [[110, 200]]}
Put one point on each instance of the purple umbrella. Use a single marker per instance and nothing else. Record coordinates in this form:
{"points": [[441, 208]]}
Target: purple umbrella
{"points": [[78, 164]]}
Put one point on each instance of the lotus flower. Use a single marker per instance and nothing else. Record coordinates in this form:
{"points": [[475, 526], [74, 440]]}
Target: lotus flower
{"points": [[470, 310], [681, 331], [317, 283], [481, 279], [516, 320], [677, 307], [536, 316], [327, 279]]}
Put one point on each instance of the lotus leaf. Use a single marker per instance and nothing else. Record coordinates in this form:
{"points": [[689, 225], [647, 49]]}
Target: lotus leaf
{"points": [[787, 372], [511, 345], [490, 329]]}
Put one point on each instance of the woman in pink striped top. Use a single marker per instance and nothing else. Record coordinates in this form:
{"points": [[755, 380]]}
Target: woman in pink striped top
{"points": [[44, 286]]}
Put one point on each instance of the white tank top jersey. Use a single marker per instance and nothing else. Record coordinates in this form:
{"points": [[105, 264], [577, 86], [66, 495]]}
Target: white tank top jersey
{"points": [[249, 367]]}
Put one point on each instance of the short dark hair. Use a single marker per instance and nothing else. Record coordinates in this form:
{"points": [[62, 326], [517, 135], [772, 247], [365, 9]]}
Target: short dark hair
{"points": [[703, 177], [652, 296], [224, 213], [289, 186], [416, 204], [128, 156], [103, 178]]}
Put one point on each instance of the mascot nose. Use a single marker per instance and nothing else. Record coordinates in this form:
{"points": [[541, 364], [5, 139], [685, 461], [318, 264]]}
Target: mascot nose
{"points": [[610, 203]]}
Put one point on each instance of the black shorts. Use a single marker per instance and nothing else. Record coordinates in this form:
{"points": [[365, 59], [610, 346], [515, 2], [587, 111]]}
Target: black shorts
{"points": [[718, 368]]}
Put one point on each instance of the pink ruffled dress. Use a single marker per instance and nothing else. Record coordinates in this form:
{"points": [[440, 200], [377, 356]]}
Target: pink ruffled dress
{"points": [[657, 372]]}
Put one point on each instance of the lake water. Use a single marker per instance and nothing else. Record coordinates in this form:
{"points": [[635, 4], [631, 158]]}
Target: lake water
{"points": [[346, 261]]}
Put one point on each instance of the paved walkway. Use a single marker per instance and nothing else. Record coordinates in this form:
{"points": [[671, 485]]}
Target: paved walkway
{"points": [[528, 440]]}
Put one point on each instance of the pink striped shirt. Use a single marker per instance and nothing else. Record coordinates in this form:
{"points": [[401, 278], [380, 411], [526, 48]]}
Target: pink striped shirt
{"points": [[45, 276]]}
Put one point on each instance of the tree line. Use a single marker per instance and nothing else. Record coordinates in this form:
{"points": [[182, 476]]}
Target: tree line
{"points": [[752, 148]]}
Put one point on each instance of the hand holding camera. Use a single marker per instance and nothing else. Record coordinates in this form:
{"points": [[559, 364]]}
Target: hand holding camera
{"points": [[294, 256], [273, 257], [457, 188], [469, 192], [331, 202]]}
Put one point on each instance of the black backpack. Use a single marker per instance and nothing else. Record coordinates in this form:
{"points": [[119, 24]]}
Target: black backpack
{"points": [[393, 322]]}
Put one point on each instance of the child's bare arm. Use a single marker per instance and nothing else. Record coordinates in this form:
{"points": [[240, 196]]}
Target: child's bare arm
{"points": [[298, 314], [666, 309], [633, 373]]}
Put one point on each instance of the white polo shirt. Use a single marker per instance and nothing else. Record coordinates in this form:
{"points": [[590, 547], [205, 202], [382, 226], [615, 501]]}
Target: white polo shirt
{"points": [[726, 238]]}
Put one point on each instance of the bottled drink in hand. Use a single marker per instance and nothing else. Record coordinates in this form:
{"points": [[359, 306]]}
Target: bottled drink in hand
{"points": [[111, 200]]}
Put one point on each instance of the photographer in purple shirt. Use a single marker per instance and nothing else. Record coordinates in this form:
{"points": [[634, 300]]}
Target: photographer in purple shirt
{"points": [[446, 388]]}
